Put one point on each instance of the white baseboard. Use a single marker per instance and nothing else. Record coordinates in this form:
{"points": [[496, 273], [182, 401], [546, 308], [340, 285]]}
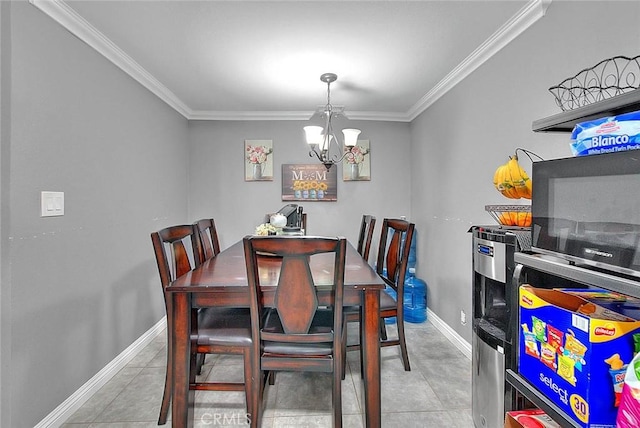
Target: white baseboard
{"points": [[64, 411], [61, 413], [449, 333]]}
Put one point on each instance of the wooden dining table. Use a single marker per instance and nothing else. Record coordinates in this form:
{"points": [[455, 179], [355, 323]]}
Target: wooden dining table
{"points": [[222, 281]]}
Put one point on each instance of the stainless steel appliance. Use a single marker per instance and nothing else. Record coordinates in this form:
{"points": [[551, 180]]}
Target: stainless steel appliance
{"points": [[493, 320], [585, 210]]}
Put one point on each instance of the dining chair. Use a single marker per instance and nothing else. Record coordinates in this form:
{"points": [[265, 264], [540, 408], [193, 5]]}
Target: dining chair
{"points": [[391, 266], [214, 330], [367, 226], [300, 332], [208, 235]]}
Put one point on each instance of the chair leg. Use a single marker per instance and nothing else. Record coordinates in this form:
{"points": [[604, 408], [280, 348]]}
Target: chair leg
{"points": [[248, 379], [361, 349], [257, 386], [200, 363], [337, 397], [168, 380], [344, 361], [403, 345], [383, 329], [344, 351]]}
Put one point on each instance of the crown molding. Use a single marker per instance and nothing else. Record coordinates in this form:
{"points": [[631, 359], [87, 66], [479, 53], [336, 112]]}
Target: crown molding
{"points": [[250, 115], [60, 12], [521, 21], [378, 115]]}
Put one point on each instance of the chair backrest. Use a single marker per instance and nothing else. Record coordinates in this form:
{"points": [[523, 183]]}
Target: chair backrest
{"points": [[208, 235], [176, 249], [393, 257], [296, 299], [367, 225]]}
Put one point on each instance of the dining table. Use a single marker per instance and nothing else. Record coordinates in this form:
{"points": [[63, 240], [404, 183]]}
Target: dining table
{"points": [[222, 281]]}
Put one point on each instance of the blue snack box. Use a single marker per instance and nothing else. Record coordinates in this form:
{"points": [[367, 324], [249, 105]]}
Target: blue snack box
{"points": [[625, 305], [575, 352]]}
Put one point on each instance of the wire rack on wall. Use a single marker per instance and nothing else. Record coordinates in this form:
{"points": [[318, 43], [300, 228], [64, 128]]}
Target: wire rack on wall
{"points": [[606, 79]]}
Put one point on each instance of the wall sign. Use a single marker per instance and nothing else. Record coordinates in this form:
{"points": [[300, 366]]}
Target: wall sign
{"points": [[356, 166], [258, 160], [309, 183]]}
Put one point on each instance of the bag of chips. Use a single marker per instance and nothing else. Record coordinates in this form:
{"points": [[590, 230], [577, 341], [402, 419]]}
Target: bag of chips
{"points": [[629, 410]]}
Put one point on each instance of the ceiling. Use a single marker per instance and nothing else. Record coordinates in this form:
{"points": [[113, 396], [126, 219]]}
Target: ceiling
{"points": [[263, 59]]}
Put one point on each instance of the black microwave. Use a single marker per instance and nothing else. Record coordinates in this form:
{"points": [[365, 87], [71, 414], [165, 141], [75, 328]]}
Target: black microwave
{"points": [[587, 210]]}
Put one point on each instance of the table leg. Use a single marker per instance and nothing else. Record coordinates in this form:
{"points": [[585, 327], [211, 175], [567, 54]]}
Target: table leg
{"points": [[182, 400], [370, 343]]}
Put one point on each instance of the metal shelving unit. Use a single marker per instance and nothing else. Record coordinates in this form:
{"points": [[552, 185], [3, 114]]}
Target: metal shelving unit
{"points": [[542, 402], [565, 121], [547, 265], [558, 268]]}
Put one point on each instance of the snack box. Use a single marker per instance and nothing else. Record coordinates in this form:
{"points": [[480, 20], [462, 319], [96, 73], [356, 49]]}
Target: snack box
{"points": [[575, 352], [625, 305], [531, 418]]}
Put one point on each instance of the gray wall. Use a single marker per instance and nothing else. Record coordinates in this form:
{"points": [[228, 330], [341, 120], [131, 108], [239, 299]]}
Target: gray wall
{"points": [[5, 296], [84, 286], [460, 140], [218, 189]]}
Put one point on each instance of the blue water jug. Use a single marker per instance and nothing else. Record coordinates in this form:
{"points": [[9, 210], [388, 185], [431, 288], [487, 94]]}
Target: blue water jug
{"points": [[415, 298]]}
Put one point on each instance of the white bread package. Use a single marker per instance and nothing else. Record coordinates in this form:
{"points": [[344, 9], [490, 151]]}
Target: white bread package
{"points": [[606, 135]]}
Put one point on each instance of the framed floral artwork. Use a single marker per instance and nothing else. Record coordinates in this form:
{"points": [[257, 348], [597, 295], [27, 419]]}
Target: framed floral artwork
{"points": [[258, 160], [356, 165], [311, 183]]}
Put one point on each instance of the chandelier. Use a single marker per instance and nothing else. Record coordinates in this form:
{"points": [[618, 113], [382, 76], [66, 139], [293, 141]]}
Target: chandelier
{"points": [[323, 141]]}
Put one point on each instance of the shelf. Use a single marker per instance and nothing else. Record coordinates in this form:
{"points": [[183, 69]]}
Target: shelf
{"points": [[537, 398], [565, 121], [562, 268]]}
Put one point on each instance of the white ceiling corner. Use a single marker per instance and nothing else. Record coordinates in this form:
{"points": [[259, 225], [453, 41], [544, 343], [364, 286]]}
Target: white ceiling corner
{"points": [[95, 37]]}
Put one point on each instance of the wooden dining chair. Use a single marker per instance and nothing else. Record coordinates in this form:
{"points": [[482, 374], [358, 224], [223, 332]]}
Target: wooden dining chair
{"points": [[352, 313], [214, 330], [300, 333], [367, 226], [392, 268], [208, 235]]}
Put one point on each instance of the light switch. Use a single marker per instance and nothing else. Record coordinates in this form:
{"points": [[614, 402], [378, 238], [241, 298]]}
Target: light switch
{"points": [[52, 204]]}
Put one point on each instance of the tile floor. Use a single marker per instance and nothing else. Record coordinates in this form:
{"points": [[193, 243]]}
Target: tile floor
{"points": [[435, 393]]}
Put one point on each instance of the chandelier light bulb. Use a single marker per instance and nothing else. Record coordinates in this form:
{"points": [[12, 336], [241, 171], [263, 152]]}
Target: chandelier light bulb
{"points": [[314, 135], [350, 136]]}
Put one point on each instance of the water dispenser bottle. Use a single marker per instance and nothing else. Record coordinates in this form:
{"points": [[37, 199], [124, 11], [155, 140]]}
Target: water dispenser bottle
{"points": [[415, 298]]}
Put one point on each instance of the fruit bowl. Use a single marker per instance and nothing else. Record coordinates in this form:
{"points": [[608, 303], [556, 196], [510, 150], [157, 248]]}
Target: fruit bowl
{"points": [[510, 215]]}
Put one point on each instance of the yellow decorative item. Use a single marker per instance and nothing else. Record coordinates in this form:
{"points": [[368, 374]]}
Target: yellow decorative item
{"points": [[512, 180]]}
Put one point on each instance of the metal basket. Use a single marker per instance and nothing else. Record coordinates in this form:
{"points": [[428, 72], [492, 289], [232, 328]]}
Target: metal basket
{"points": [[606, 79], [496, 210]]}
